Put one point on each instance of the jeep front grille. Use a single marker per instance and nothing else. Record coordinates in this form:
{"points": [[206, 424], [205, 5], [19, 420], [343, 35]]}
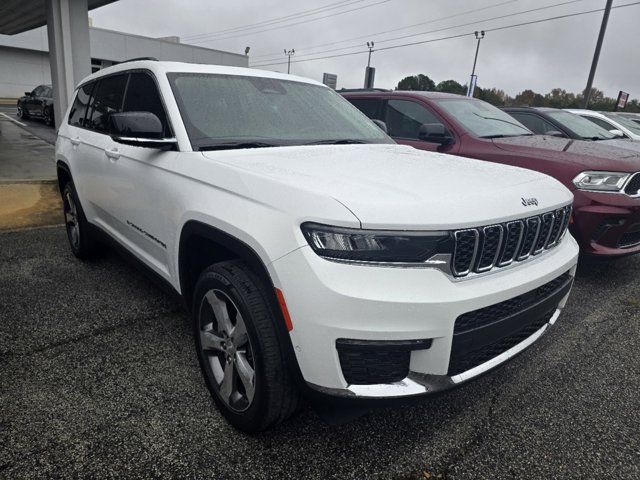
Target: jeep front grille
{"points": [[481, 249], [633, 185]]}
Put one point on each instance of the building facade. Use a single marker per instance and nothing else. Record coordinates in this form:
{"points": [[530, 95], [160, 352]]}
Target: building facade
{"points": [[24, 58]]}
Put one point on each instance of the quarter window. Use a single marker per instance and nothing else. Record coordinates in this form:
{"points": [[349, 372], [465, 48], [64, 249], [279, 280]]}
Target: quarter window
{"points": [[404, 118], [79, 108], [107, 99], [143, 96]]}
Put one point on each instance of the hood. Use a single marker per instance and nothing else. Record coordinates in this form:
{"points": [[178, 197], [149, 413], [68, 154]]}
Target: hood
{"points": [[395, 186], [586, 154], [622, 143]]}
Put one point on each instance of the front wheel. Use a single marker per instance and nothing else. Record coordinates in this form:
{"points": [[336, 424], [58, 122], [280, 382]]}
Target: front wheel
{"points": [[22, 113], [238, 348]]}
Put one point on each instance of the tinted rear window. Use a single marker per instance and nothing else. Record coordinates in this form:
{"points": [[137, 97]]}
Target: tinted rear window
{"points": [[79, 108]]}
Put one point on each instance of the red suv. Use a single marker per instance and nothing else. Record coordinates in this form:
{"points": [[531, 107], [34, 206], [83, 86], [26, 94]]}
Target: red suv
{"points": [[605, 180]]}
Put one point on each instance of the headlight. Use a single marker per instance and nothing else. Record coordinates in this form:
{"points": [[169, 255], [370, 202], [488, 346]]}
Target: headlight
{"points": [[376, 246], [601, 181]]}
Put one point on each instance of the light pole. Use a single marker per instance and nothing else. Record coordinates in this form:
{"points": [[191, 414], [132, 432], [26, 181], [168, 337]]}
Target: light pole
{"points": [[596, 55], [370, 47], [289, 53], [472, 86]]}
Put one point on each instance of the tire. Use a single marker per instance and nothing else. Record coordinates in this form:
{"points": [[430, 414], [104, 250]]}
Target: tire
{"points": [[47, 117], [81, 241], [22, 113], [257, 402]]}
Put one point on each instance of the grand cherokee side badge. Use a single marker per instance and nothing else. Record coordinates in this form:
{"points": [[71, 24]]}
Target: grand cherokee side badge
{"points": [[527, 202]]}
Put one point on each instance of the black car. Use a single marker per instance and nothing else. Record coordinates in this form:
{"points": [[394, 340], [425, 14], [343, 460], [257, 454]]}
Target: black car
{"points": [[38, 104], [559, 123]]}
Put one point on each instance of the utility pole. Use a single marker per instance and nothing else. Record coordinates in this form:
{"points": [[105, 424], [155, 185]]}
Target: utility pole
{"points": [[472, 80], [370, 47], [596, 55], [369, 73], [289, 53]]}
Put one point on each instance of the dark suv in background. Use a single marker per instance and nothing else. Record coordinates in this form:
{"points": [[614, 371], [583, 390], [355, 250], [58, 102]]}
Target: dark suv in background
{"points": [[38, 104], [605, 180]]}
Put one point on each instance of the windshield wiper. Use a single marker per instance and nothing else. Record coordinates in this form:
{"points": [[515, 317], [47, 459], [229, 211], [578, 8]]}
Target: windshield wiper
{"points": [[502, 120], [506, 136], [237, 145], [344, 141]]}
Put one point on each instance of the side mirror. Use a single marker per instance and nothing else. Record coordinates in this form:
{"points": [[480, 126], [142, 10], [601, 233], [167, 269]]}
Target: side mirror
{"points": [[27, 94], [140, 129], [435, 133], [381, 124], [617, 133], [555, 133]]}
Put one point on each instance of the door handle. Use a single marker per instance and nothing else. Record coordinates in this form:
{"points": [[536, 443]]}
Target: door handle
{"points": [[112, 154], [75, 141]]}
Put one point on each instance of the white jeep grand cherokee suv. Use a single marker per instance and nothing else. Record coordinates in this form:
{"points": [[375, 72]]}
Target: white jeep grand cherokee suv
{"points": [[315, 255]]}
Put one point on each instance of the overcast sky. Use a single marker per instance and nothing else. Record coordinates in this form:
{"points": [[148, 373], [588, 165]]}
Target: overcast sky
{"points": [[541, 56]]}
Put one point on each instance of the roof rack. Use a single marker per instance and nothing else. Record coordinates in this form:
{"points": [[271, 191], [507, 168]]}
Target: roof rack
{"points": [[153, 59], [364, 90]]}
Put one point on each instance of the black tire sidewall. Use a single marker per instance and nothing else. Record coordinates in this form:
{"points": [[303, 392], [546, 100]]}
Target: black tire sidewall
{"points": [[84, 248], [250, 419]]}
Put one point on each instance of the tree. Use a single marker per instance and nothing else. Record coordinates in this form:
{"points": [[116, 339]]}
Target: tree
{"points": [[451, 86], [525, 98], [492, 95], [560, 98], [416, 82]]}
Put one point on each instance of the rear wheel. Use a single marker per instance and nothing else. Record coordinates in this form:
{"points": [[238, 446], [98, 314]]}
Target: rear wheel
{"points": [[79, 235], [47, 116], [238, 348]]}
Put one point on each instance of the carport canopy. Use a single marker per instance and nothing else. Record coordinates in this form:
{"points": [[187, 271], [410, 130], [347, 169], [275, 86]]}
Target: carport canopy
{"points": [[68, 32]]}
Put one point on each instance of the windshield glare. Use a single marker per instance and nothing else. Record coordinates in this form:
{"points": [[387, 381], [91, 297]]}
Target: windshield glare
{"points": [[625, 122], [218, 109], [583, 127], [483, 119]]}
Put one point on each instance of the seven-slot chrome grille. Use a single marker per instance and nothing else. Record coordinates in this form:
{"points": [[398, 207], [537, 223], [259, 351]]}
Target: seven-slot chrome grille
{"points": [[481, 249]]}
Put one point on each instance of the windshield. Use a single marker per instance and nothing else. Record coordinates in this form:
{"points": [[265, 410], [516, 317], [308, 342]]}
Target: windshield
{"points": [[625, 122], [583, 127], [244, 111], [483, 119]]}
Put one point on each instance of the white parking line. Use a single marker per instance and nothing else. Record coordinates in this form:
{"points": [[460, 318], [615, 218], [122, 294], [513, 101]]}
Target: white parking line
{"points": [[13, 119]]}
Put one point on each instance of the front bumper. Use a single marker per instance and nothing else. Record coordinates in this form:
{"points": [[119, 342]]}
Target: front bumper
{"points": [[330, 301], [606, 224]]}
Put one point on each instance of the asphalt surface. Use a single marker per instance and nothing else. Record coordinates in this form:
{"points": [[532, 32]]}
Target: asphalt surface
{"points": [[99, 379], [33, 126]]}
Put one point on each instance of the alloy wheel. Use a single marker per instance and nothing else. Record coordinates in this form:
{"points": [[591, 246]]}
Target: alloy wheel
{"points": [[229, 358], [71, 219]]}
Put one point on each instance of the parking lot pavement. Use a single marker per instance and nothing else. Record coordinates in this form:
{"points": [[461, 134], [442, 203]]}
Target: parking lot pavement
{"points": [[99, 379], [35, 127]]}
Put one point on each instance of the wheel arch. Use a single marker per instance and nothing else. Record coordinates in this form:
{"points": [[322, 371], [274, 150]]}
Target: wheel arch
{"points": [[63, 173], [197, 235]]}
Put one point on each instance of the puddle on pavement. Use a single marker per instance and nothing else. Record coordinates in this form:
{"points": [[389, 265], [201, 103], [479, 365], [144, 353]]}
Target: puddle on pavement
{"points": [[27, 205]]}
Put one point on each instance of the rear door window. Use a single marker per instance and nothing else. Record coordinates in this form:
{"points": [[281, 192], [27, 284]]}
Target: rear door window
{"points": [[107, 99], [604, 124], [404, 118], [79, 108], [143, 96]]}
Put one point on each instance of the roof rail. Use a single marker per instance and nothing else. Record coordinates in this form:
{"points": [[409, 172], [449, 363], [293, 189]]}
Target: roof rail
{"points": [[153, 59], [364, 90]]}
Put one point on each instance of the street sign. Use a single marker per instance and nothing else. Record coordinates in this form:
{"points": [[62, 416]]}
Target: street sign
{"points": [[330, 80], [622, 99]]}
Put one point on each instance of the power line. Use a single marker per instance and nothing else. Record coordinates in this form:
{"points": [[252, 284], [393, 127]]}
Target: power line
{"points": [[263, 23], [495, 29], [401, 37], [293, 24], [360, 37]]}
